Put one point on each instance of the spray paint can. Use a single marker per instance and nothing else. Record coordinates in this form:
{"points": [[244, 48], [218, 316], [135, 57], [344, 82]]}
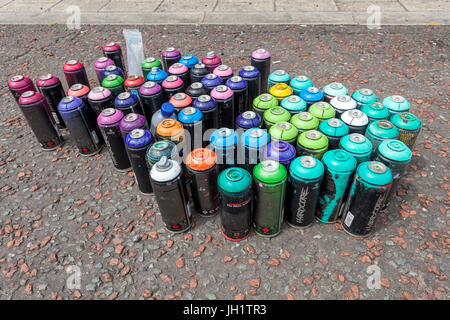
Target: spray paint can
{"points": [[224, 72], [339, 167], [375, 111], [322, 111], [225, 105], [37, 113], [260, 59], [172, 85], [189, 60], [299, 83], [364, 96], [311, 95], [113, 51], [160, 149], [82, 128], [284, 131], [247, 120], [198, 72], [180, 101], [334, 129], [304, 121], [157, 75], [275, 115], [396, 104], [81, 91], [171, 130], [253, 78], [136, 144], [169, 57], [130, 122], [211, 60], [281, 91], [224, 145], [112, 69], [132, 84], [379, 131], [357, 145], [278, 76], [100, 65], [148, 64], [20, 84], [109, 124], [181, 71], [75, 72], [196, 90], [305, 179], [312, 143], [208, 107], [151, 96], [294, 104], [127, 103], [52, 89], [192, 121], [356, 120], [171, 195], [264, 102], [211, 80], [408, 126], [114, 84], [342, 104], [270, 189], [235, 203], [334, 89], [100, 99], [240, 94], [253, 142], [367, 193], [280, 151]]}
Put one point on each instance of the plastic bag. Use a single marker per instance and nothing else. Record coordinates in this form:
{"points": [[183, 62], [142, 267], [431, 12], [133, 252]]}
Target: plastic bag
{"points": [[135, 50]]}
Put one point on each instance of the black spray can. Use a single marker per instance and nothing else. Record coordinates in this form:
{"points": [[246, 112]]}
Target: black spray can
{"points": [[198, 72], [195, 90], [128, 103], [240, 94], [208, 107], [253, 78], [261, 60], [151, 96], [53, 91], [225, 105], [113, 51], [100, 99]]}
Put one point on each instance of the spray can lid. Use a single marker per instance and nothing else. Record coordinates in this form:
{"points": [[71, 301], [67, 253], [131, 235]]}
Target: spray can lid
{"points": [[167, 109]]}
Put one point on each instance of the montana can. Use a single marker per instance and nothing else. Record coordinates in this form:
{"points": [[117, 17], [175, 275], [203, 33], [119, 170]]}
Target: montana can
{"points": [[137, 143], [312, 143], [408, 126]]}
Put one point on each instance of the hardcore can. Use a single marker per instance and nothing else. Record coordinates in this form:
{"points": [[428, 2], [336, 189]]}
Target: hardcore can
{"points": [[356, 120], [160, 149], [367, 194], [284, 131], [379, 131], [339, 167], [278, 76], [224, 72], [396, 104], [169, 57], [171, 130], [252, 76], [208, 107], [171, 195], [260, 59], [211, 80], [293, 104], [264, 102], [224, 144], [189, 60], [100, 65], [112, 69], [211, 60], [137, 143], [109, 123], [334, 89], [196, 89], [396, 155], [280, 151], [247, 120], [191, 119], [240, 94], [81, 127], [275, 115], [408, 126], [202, 170], [157, 75], [299, 83], [322, 111], [253, 142], [342, 103], [37, 113], [305, 179], [113, 51], [364, 96], [225, 105], [130, 122], [114, 83], [334, 129], [312, 143], [198, 72], [357, 145], [133, 82], [235, 203], [75, 73], [181, 71], [81, 91], [375, 111], [172, 85], [127, 103], [180, 101], [52, 89], [20, 84], [148, 64], [304, 121], [311, 95], [99, 99], [270, 189], [151, 96], [280, 91]]}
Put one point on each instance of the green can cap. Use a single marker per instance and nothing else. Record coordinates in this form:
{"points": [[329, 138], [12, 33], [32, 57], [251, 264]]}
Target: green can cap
{"points": [[269, 171], [112, 80], [395, 150], [304, 121], [406, 120], [276, 114], [374, 172], [322, 110], [265, 101], [234, 180], [312, 139], [339, 160], [306, 167], [283, 131]]}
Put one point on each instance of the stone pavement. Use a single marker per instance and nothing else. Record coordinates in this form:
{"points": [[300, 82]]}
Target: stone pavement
{"points": [[392, 12]]}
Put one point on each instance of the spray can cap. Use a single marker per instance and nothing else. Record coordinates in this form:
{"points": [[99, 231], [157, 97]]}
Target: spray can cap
{"points": [[167, 109], [164, 164]]}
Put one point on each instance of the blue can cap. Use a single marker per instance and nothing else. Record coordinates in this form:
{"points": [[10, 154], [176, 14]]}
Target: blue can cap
{"points": [[375, 173], [306, 168], [189, 60], [211, 80], [125, 99], [255, 138], [167, 109], [69, 103], [395, 150], [249, 72], [311, 94], [138, 138], [339, 160], [157, 75], [236, 83], [190, 115], [223, 138], [205, 102]]}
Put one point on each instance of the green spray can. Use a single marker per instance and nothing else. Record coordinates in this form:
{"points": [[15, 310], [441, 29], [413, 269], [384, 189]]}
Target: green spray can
{"points": [[339, 167], [322, 111], [334, 129], [396, 104], [114, 83], [380, 130], [299, 83], [278, 76], [148, 64], [375, 111], [264, 102], [357, 145], [312, 143], [304, 121], [364, 96], [294, 104], [269, 179], [284, 131], [408, 126], [275, 115]]}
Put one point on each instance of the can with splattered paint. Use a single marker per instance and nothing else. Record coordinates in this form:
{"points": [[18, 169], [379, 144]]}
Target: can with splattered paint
{"points": [[408, 126]]}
